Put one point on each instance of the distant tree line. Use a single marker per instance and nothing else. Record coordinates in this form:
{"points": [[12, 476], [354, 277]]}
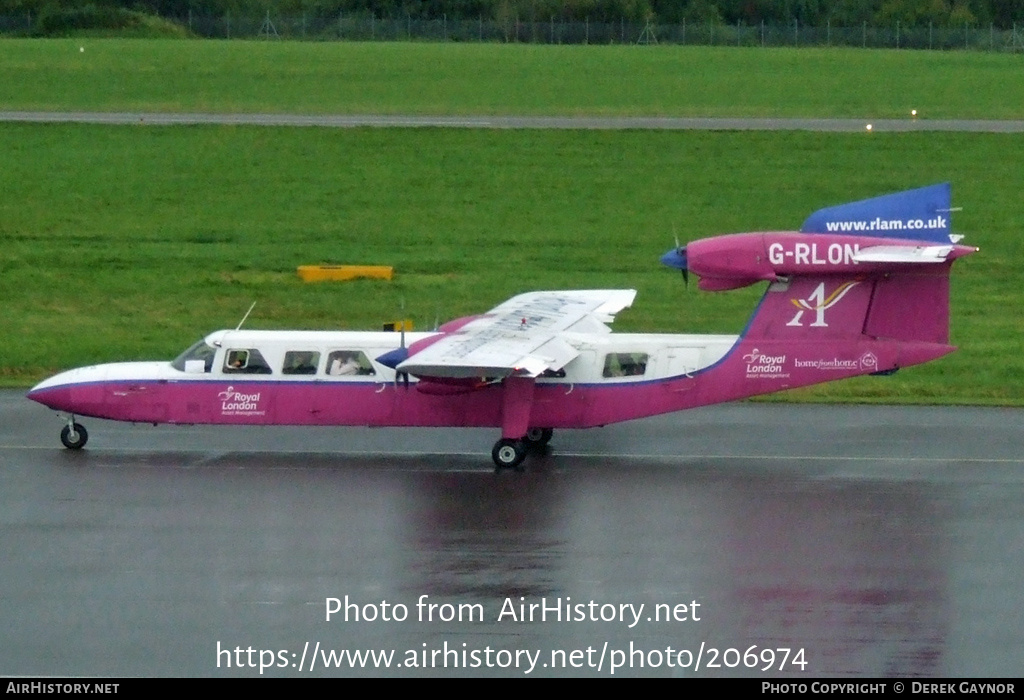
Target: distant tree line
{"points": [[1003, 14]]}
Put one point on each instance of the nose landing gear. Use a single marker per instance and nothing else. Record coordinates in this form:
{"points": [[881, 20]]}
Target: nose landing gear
{"points": [[74, 435]]}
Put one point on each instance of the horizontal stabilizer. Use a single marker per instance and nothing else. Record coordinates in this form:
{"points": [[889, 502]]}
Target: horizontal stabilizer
{"points": [[904, 254]]}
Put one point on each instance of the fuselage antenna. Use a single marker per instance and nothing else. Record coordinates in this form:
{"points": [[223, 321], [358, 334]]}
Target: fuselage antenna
{"points": [[246, 316]]}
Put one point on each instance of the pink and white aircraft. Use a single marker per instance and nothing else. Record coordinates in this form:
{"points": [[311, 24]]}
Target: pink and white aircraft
{"points": [[862, 288]]}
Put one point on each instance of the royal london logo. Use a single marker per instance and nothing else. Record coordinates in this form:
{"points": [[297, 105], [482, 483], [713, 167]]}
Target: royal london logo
{"points": [[761, 366], [234, 403], [819, 304]]}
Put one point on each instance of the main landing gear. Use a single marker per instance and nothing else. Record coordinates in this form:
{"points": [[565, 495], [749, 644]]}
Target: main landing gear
{"points": [[509, 453], [74, 435]]}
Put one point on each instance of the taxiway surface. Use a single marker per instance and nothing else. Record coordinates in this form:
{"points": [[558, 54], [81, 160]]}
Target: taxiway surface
{"points": [[519, 122], [882, 541]]}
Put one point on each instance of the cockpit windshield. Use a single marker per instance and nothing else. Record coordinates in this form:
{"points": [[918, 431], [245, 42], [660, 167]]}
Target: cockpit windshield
{"points": [[197, 359]]}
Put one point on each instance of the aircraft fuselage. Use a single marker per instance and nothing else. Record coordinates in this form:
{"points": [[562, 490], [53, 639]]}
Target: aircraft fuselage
{"points": [[616, 377]]}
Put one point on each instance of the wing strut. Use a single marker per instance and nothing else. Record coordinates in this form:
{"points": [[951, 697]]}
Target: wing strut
{"points": [[516, 403]]}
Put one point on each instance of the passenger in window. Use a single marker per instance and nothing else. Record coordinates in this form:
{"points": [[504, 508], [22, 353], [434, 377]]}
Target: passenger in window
{"points": [[625, 364], [344, 363], [300, 362], [635, 364]]}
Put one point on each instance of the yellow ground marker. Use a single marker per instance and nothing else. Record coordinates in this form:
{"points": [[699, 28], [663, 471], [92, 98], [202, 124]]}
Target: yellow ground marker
{"points": [[340, 273]]}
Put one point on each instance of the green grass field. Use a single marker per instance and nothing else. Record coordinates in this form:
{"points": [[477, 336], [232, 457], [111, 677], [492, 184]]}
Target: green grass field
{"points": [[426, 78], [129, 242]]}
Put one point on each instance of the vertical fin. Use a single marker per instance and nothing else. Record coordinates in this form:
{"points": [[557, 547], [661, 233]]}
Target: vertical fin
{"points": [[813, 307], [922, 215]]}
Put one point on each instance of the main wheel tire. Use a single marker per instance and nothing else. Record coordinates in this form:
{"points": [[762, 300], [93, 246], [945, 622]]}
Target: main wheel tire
{"points": [[538, 437], [508, 453], [74, 439]]}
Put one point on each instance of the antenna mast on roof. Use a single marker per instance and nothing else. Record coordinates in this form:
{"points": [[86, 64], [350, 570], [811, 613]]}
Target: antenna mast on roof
{"points": [[246, 316]]}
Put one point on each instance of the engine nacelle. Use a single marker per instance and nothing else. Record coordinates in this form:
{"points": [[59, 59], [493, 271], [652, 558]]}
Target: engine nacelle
{"points": [[894, 232], [741, 259]]}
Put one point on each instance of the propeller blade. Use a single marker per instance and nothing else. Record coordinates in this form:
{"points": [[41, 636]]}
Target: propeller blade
{"points": [[677, 258], [393, 358]]}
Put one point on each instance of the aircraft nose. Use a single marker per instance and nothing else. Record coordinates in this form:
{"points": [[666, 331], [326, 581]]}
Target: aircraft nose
{"points": [[56, 397], [74, 391]]}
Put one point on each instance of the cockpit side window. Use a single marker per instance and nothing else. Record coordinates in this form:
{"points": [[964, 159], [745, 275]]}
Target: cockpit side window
{"points": [[349, 362], [245, 361], [300, 362], [197, 359]]}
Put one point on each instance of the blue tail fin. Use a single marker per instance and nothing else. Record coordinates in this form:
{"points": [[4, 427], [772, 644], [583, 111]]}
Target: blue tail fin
{"points": [[921, 214]]}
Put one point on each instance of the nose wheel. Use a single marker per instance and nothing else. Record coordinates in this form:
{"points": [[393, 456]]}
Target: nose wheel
{"points": [[74, 435]]}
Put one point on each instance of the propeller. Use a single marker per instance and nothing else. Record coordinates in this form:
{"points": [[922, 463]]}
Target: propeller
{"points": [[405, 352], [393, 358], [677, 258]]}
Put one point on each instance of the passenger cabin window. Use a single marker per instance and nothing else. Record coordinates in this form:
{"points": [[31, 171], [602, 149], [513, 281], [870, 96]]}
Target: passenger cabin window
{"points": [[300, 362], [625, 364], [245, 362], [198, 359], [349, 362]]}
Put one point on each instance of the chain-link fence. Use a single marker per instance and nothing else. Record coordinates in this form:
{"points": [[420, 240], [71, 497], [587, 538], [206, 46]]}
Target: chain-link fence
{"points": [[513, 30]]}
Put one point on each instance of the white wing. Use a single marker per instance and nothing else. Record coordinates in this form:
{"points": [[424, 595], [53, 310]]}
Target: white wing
{"points": [[520, 336]]}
